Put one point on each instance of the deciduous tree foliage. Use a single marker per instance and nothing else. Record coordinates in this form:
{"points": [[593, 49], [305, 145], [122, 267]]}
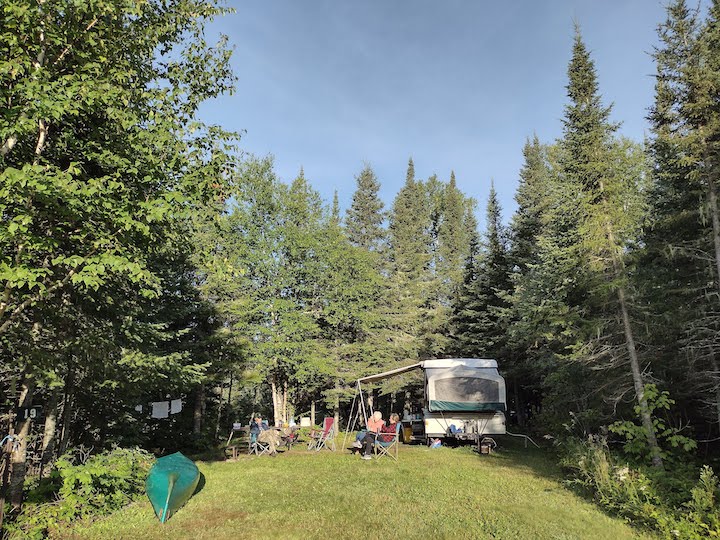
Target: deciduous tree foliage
{"points": [[101, 156]]}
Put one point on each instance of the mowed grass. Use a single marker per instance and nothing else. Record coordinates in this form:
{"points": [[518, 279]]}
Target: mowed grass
{"points": [[429, 493]]}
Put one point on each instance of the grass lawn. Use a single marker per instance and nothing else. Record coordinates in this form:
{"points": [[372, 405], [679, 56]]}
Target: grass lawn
{"points": [[429, 493]]}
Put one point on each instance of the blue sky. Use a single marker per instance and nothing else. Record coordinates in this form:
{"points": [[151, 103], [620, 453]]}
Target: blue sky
{"points": [[457, 85]]}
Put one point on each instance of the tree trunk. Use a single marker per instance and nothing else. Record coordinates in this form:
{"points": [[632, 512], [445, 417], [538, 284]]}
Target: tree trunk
{"points": [[285, 403], [67, 409], [219, 411], [49, 436], [336, 408], [712, 197], [199, 409], [19, 453], [519, 404], [618, 268], [312, 413], [639, 385], [230, 392], [276, 401], [5, 466]]}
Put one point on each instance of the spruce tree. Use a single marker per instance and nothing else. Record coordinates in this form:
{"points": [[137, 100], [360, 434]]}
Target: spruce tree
{"points": [[524, 360], [409, 256], [453, 240], [365, 216], [527, 220], [683, 242], [479, 311], [608, 189]]}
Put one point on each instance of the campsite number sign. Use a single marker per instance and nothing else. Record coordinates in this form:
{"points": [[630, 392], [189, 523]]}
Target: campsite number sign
{"points": [[28, 413]]}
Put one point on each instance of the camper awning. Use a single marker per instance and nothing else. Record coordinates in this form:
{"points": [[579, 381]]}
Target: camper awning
{"points": [[386, 374]]}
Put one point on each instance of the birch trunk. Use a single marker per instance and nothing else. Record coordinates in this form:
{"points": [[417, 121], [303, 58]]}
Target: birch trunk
{"points": [[18, 456], [199, 409], [67, 409], [49, 435], [276, 401], [219, 411], [285, 403]]}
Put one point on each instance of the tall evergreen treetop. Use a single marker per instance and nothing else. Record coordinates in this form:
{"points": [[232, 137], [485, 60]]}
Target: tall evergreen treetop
{"points": [[365, 216], [527, 221], [408, 228], [410, 176], [586, 124]]}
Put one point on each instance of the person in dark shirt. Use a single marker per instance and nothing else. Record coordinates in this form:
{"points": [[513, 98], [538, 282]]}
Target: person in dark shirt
{"points": [[385, 434], [258, 425]]}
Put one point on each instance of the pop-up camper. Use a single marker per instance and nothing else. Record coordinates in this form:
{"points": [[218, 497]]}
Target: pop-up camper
{"points": [[464, 399]]}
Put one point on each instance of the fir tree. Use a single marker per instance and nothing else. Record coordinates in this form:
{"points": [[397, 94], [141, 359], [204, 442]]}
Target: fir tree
{"points": [[527, 221], [683, 243], [365, 216], [608, 189], [479, 311], [452, 239], [409, 256]]}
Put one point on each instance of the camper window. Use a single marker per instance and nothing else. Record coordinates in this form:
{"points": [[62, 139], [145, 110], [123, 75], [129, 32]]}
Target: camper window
{"points": [[467, 389]]}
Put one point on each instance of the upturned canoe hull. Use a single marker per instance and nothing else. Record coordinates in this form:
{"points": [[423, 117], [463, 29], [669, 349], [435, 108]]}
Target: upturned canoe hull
{"points": [[170, 483]]}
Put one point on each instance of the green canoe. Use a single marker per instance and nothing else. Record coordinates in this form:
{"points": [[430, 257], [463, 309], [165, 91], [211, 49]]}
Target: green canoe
{"points": [[170, 483]]}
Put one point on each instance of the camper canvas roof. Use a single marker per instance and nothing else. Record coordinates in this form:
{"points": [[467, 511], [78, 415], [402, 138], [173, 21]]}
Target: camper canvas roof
{"points": [[459, 362]]}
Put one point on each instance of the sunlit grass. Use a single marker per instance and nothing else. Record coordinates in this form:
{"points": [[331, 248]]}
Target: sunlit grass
{"points": [[442, 493]]}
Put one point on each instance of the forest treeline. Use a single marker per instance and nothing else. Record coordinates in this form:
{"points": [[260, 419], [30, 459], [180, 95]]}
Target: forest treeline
{"points": [[144, 258]]}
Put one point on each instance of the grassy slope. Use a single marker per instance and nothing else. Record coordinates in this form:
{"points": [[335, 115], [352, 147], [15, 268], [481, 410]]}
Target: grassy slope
{"points": [[443, 493]]}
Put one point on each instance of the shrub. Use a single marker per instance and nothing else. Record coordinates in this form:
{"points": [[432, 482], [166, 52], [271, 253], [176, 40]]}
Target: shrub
{"points": [[102, 484], [657, 500], [670, 439]]}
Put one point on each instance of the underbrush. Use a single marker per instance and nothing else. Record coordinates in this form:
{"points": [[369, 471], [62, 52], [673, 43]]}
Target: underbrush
{"points": [[103, 483], [678, 502]]}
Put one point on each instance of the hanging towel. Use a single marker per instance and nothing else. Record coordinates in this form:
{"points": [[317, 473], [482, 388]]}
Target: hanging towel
{"points": [[159, 409], [175, 406]]}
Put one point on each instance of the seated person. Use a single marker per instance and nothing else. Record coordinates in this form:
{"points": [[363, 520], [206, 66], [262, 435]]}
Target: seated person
{"points": [[258, 425], [272, 438], [374, 423], [385, 434], [261, 432]]}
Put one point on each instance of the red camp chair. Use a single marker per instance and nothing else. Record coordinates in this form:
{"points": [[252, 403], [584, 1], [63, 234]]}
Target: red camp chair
{"points": [[324, 438]]}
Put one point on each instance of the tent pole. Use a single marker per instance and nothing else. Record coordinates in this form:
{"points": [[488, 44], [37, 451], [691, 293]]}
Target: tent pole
{"points": [[362, 404], [351, 422]]}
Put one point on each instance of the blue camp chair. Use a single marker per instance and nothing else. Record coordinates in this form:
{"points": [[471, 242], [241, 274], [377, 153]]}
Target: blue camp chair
{"points": [[256, 447], [388, 447]]}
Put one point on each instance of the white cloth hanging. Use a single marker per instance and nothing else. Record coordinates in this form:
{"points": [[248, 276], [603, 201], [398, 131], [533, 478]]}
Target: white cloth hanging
{"points": [[160, 409], [175, 406]]}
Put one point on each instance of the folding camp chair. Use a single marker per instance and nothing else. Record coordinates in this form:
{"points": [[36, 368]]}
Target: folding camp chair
{"points": [[324, 438], [256, 447], [388, 447]]}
